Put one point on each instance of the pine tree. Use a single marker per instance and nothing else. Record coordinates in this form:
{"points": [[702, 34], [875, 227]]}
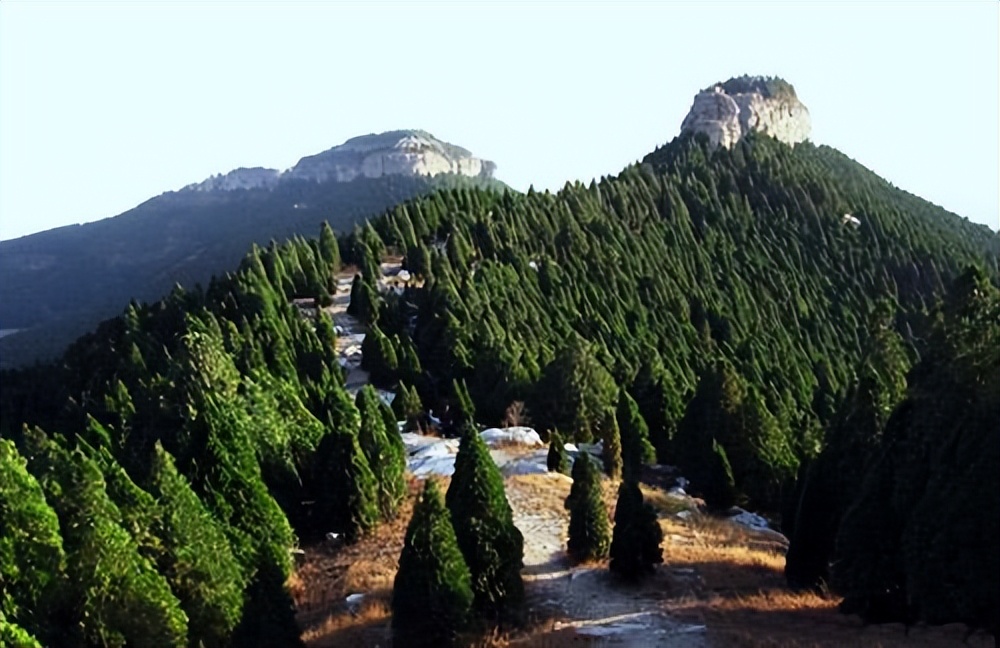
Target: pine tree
{"points": [[386, 458], [635, 544], [432, 593], [484, 524], [407, 406], [557, 459], [589, 532]]}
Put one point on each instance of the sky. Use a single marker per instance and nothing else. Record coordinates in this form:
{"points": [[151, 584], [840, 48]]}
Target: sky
{"points": [[106, 104]]}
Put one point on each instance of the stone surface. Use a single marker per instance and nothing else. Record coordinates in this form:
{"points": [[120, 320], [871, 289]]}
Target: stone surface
{"points": [[405, 152], [728, 111]]}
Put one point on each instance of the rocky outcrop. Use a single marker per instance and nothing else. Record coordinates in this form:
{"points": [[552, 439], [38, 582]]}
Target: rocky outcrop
{"points": [[406, 152], [239, 179], [728, 111], [410, 152]]}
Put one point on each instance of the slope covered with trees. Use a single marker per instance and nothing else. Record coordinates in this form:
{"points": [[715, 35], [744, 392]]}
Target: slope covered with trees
{"points": [[713, 308], [61, 283]]}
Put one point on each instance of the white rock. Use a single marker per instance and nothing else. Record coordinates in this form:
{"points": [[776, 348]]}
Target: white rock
{"points": [[726, 117]]}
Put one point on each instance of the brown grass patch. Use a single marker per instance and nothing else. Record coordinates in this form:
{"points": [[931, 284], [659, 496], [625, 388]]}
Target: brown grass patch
{"points": [[731, 579], [329, 574]]}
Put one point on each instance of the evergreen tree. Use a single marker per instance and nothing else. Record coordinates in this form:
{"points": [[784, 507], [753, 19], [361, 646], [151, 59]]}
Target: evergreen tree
{"points": [[386, 457], [31, 547], [589, 530], [196, 556], [636, 448], [407, 406], [432, 594], [484, 525], [611, 451], [635, 544], [115, 595], [269, 613], [346, 489], [557, 459]]}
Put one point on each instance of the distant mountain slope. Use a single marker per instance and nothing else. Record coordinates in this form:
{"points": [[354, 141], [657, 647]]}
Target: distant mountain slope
{"points": [[59, 283]]}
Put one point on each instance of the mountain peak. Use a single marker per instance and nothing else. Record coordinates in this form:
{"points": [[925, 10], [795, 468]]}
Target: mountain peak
{"points": [[727, 111], [409, 152]]}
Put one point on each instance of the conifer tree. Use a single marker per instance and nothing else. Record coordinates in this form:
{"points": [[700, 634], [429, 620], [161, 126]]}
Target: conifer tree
{"points": [[636, 448], [589, 530], [269, 614], [346, 489], [386, 458], [635, 543], [484, 524], [557, 459], [432, 593], [463, 411], [611, 452], [116, 595], [407, 406], [31, 547], [196, 556]]}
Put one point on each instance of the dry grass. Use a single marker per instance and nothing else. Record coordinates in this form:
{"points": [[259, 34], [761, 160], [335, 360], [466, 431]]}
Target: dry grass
{"points": [[724, 576], [320, 586], [732, 580]]}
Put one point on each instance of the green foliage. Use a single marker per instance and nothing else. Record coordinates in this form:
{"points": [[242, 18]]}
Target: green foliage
{"points": [[589, 529], [269, 614], [635, 544], [346, 489], [574, 393], [31, 547], [407, 406], [918, 541], [383, 450], [557, 460], [196, 558], [636, 449], [853, 440], [484, 525], [12, 634], [611, 451], [432, 593], [115, 595]]}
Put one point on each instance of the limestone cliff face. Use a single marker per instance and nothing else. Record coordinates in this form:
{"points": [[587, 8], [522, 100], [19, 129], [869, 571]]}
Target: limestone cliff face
{"points": [[728, 111], [406, 152], [393, 153], [239, 179]]}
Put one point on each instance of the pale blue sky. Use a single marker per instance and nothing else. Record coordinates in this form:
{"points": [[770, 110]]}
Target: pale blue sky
{"points": [[105, 104]]}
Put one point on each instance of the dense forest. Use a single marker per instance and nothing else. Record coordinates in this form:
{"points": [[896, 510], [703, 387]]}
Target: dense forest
{"points": [[61, 283], [714, 310]]}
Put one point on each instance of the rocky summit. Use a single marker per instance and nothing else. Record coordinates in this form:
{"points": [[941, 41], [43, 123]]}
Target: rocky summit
{"points": [[725, 112], [402, 152]]}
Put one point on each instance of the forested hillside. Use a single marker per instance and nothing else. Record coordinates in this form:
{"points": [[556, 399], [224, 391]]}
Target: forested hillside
{"points": [[61, 283], [723, 291]]}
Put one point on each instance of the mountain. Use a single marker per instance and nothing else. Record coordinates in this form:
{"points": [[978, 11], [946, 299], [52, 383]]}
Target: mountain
{"points": [[778, 320], [59, 283]]}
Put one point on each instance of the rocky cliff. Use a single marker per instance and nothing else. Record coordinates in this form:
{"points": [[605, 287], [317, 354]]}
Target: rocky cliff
{"points": [[404, 152], [727, 111]]}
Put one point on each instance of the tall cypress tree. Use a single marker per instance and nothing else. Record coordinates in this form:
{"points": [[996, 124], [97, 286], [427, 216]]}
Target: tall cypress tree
{"points": [[636, 448], [484, 524], [557, 460], [589, 530], [345, 488], [386, 457], [115, 595], [432, 593], [31, 547], [635, 544]]}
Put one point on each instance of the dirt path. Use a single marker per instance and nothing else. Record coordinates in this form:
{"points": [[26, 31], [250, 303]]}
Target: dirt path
{"points": [[586, 601]]}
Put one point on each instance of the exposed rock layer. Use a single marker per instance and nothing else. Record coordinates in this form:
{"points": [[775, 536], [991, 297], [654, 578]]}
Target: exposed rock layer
{"points": [[406, 152], [728, 111]]}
